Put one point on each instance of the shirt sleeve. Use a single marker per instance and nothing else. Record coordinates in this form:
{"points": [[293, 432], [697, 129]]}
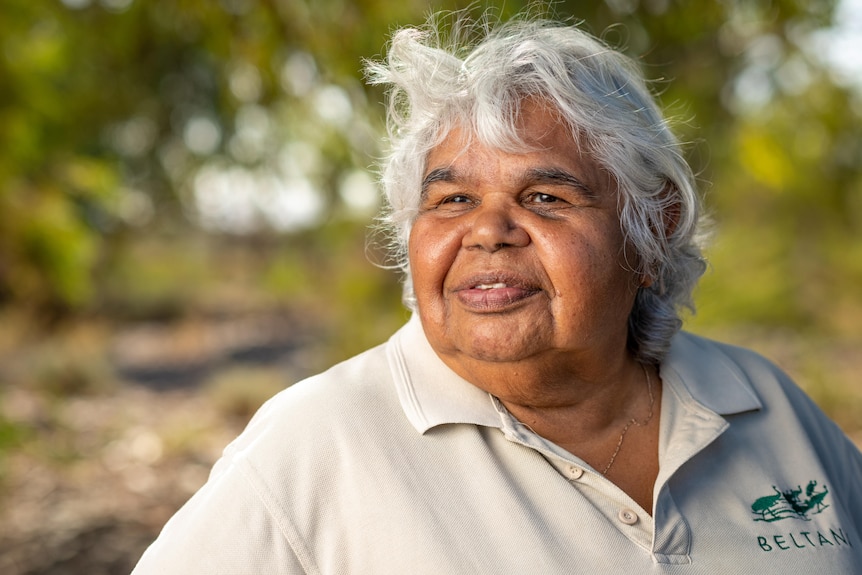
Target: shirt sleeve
{"points": [[224, 529], [849, 463]]}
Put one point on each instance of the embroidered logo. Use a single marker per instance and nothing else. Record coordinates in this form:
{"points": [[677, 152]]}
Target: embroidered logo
{"points": [[791, 503]]}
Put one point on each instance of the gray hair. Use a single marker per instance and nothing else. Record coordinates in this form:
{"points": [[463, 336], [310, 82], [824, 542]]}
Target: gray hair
{"points": [[436, 83]]}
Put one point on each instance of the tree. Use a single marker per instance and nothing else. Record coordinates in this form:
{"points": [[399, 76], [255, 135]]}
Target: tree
{"points": [[125, 119]]}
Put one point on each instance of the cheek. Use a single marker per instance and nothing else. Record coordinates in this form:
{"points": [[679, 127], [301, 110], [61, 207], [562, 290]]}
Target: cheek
{"points": [[586, 266], [431, 254]]}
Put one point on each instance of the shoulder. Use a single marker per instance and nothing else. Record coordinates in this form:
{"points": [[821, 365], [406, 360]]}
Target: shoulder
{"points": [[324, 404], [697, 348], [732, 380], [287, 463], [715, 370]]}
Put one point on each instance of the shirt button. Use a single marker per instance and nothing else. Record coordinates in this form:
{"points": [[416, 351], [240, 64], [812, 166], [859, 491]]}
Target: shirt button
{"points": [[574, 472], [627, 516]]}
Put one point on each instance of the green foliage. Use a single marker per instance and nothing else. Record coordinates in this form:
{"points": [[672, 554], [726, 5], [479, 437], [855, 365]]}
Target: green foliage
{"points": [[116, 119], [46, 249], [331, 275], [152, 279], [12, 435]]}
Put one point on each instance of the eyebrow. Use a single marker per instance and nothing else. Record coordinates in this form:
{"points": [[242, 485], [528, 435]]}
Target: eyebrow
{"points": [[437, 175], [559, 177]]}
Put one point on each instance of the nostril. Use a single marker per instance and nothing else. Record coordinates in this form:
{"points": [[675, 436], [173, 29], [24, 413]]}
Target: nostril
{"points": [[494, 226]]}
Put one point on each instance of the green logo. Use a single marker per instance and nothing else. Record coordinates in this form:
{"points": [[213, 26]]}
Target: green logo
{"points": [[790, 503]]}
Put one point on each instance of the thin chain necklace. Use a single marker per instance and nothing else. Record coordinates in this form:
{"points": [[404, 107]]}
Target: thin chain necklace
{"points": [[633, 421]]}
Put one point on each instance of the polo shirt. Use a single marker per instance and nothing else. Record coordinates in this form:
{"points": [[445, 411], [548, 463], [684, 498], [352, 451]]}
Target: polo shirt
{"points": [[392, 463]]}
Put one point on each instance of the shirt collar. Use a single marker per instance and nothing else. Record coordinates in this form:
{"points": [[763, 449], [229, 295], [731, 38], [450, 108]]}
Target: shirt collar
{"points": [[709, 375], [431, 394]]}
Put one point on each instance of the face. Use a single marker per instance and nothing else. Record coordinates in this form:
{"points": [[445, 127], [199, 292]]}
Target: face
{"points": [[519, 257]]}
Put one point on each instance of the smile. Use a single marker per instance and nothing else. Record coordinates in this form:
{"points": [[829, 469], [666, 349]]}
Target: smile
{"points": [[494, 294]]}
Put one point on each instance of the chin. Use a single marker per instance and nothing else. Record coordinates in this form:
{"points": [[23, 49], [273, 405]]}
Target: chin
{"points": [[496, 350]]}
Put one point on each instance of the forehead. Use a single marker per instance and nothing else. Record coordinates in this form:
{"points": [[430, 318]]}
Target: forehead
{"points": [[541, 138]]}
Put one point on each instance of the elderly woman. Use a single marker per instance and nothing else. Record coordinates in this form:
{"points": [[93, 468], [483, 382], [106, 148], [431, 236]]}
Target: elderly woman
{"points": [[541, 412]]}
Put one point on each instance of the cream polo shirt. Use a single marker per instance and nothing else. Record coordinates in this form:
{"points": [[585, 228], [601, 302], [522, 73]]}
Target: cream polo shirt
{"points": [[391, 463]]}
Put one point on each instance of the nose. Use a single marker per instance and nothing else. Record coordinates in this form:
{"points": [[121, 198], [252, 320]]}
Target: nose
{"points": [[495, 225]]}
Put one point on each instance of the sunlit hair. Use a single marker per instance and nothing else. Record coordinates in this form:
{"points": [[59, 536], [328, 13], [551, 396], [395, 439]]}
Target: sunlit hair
{"points": [[438, 81]]}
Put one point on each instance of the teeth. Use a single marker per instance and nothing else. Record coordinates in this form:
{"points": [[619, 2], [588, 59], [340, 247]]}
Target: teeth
{"points": [[491, 286]]}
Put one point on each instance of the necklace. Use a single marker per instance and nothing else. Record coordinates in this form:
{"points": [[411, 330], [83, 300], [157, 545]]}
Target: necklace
{"points": [[633, 421]]}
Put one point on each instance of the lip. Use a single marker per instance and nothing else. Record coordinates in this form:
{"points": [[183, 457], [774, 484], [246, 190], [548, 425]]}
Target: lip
{"points": [[494, 291]]}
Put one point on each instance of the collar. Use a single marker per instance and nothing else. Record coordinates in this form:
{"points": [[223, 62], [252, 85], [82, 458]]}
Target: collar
{"points": [[431, 394], [711, 377]]}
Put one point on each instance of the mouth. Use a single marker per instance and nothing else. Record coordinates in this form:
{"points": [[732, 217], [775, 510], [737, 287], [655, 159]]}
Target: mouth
{"points": [[494, 292]]}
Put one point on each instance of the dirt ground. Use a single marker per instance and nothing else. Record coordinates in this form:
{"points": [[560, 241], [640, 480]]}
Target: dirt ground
{"points": [[139, 454]]}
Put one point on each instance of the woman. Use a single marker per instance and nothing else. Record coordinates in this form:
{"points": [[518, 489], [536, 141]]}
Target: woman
{"points": [[541, 412]]}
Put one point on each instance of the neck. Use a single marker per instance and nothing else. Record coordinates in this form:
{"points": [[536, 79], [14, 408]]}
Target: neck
{"points": [[616, 433], [585, 412], [583, 407], [558, 386]]}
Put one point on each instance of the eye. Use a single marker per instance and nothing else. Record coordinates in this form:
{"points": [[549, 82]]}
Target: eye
{"points": [[456, 199], [542, 198], [438, 200]]}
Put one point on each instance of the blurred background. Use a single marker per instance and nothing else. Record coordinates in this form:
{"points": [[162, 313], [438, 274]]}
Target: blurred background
{"points": [[186, 189]]}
